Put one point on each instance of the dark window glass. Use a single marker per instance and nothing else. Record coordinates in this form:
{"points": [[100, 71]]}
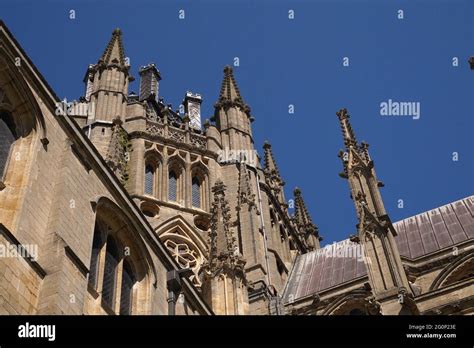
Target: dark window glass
{"points": [[149, 178], [94, 267], [7, 137], [173, 187], [196, 193], [110, 273], [126, 293]]}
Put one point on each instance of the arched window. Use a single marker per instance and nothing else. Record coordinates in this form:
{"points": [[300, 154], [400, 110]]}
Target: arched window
{"points": [[7, 138], [173, 186], [126, 293], [118, 271], [199, 187], [149, 179], [110, 273], [96, 247], [196, 193]]}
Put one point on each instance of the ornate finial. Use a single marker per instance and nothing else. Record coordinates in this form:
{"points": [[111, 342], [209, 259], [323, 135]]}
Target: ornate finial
{"points": [[346, 128], [302, 218], [117, 31], [272, 174], [342, 114]]}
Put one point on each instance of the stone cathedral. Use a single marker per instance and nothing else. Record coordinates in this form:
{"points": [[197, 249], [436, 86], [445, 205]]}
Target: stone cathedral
{"points": [[119, 204]]}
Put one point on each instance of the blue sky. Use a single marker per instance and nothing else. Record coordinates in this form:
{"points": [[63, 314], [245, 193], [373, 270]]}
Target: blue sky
{"points": [[297, 62]]}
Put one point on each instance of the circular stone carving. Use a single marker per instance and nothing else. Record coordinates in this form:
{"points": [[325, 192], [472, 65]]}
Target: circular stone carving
{"points": [[149, 209], [202, 222]]}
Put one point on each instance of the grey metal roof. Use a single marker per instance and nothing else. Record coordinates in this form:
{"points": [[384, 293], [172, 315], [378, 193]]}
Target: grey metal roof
{"points": [[418, 235], [436, 229]]}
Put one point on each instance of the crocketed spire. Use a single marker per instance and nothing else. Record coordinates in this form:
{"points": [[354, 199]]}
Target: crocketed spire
{"points": [[230, 94], [270, 164], [347, 132], [114, 53]]}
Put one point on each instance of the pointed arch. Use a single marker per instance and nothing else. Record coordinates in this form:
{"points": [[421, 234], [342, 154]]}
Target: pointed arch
{"points": [[176, 173], [347, 303], [121, 262], [22, 126], [200, 186], [460, 269], [153, 174], [18, 97]]}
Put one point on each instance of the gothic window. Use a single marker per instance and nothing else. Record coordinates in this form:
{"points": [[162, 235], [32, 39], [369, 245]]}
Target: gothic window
{"points": [[199, 187], [110, 273], [173, 186], [196, 192], [94, 267], [126, 293], [153, 171], [7, 137], [115, 268], [149, 179]]}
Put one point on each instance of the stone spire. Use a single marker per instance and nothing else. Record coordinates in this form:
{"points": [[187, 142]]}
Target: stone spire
{"points": [[224, 282], [346, 128], [114, 53], [272, 174], [304, 223], [375, 231], [270, 164], [230, 94], [356, 157], [232, 117], [107, 82]]}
